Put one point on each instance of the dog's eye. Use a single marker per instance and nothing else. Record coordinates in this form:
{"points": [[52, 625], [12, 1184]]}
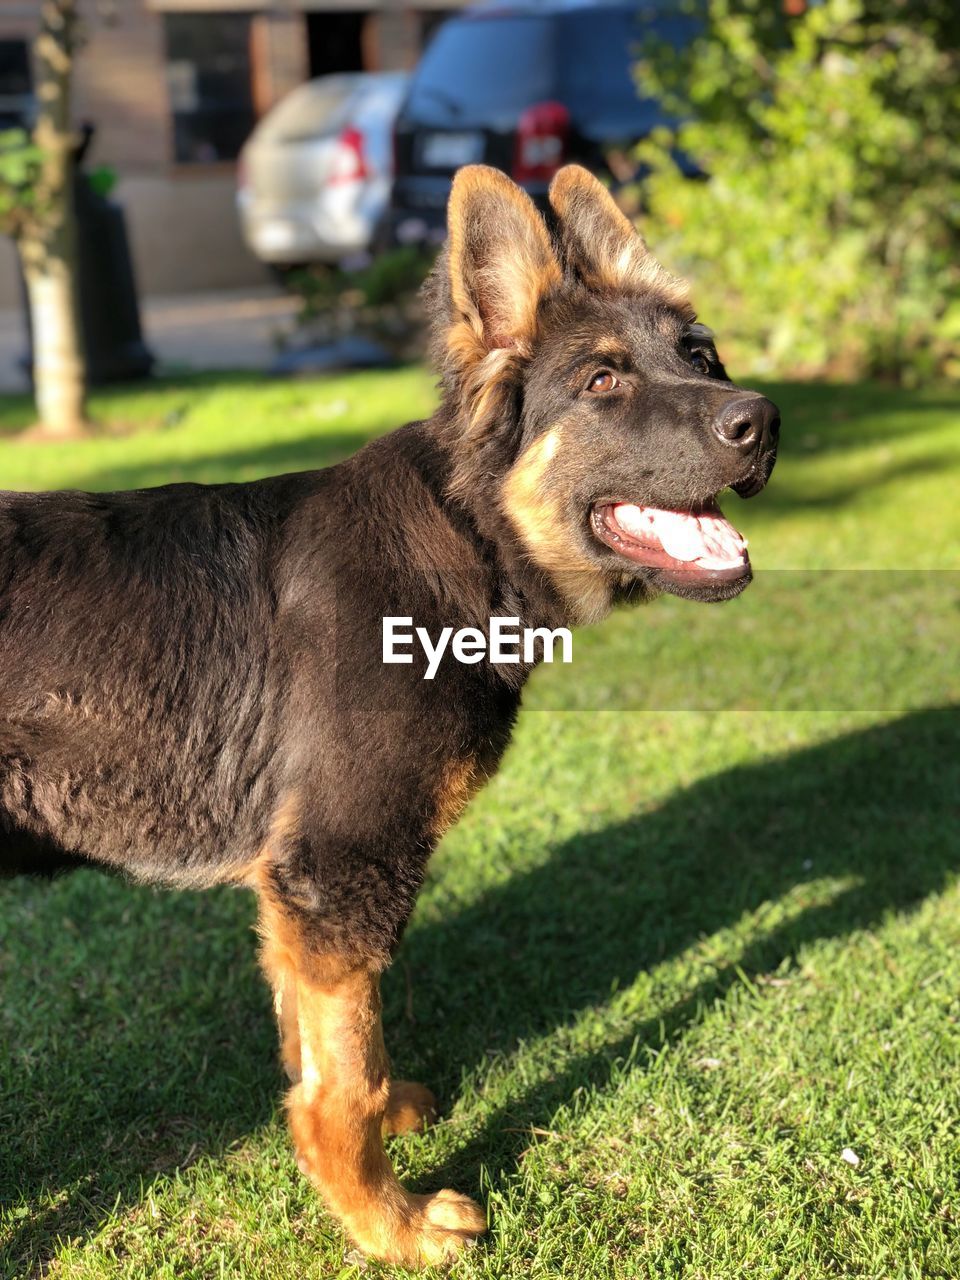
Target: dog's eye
{"points": [[602, 382], [700, 362]]}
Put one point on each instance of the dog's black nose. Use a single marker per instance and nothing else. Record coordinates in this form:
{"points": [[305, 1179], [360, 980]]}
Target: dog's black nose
{"points": [[748, 423]]}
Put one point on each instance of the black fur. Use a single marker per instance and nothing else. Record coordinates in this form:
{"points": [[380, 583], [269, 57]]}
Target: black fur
{"points": [[177, 664]]}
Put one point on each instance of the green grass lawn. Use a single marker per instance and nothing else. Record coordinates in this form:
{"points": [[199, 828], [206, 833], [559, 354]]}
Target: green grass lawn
{"points": [[697, 939]]}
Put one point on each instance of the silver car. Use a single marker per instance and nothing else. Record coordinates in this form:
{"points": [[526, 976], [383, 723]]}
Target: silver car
{"points": [[315, 174]]}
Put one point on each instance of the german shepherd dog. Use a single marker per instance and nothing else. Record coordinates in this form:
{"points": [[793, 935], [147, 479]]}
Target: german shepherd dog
{"points": [[192, 688]]}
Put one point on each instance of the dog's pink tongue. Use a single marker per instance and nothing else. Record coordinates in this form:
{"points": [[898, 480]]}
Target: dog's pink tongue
{"points": [[678, 532]]}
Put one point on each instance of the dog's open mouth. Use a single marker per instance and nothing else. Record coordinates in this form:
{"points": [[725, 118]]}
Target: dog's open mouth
{"points": [[694, 546]]}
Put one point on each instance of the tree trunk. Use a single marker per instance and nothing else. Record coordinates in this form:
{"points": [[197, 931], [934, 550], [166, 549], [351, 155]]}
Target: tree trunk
{"points": [[49, 247]]}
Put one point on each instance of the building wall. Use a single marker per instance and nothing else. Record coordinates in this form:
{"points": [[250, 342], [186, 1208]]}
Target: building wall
{"points": [[184, 233], [181, 219], [120, 86]]}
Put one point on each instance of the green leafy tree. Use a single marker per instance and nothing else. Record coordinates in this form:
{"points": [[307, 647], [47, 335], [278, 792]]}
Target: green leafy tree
{"points": [[37, 209], [20, 164], [825, 235]]}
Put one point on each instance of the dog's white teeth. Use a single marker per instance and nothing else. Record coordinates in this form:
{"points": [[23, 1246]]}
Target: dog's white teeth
{"points": [[633, 519], [718, 562]]}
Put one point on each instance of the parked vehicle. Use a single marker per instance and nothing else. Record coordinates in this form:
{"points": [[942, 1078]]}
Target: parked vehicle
{"points": [[314, 177], [525, 87]]}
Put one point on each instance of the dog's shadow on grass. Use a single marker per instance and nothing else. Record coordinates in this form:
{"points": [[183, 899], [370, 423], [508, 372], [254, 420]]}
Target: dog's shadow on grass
{"points": [[136, 1036], [875, 811], [170, 1050]]}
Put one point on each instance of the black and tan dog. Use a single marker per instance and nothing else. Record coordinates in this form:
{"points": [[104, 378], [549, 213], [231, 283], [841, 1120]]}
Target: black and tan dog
{"points": [[191, 678]]}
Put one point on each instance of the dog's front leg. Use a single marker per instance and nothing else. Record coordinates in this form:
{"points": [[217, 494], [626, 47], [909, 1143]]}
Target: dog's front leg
{"points": [[410, 1106], [337, 1116]]}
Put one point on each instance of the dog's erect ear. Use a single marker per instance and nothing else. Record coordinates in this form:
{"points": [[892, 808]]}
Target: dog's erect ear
{"points": [[501, 262], [601, 244]]}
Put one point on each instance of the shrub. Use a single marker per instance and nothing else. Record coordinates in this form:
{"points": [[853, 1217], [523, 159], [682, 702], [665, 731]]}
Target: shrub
{"points": [[825, 236], [379, 300]]}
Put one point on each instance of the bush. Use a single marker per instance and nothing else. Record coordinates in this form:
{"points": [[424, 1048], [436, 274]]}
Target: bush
{"points": [[379, 300], [825, 237]]}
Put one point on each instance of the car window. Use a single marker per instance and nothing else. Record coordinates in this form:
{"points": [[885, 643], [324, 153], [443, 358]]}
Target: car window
{"points": [[599, 48], [315, 108], [503, 63]]}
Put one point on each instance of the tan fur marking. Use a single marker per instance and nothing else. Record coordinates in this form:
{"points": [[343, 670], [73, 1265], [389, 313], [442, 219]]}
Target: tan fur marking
{"points": [[338, 1114], [609, 252], [278, 940], [284, 827], [536, 514], [484, 385], [501, 264], [411, 1108], [277, 961], [342, 1103], [501, 261], [460, 782]]}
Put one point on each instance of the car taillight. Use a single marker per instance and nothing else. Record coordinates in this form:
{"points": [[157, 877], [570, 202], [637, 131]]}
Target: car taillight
{"points": [[349, 164], [541, 142]]}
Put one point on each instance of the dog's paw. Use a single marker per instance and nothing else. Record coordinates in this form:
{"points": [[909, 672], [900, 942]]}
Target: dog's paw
{"points": [[410, 1109], [420, 1231], [451, 1223]]}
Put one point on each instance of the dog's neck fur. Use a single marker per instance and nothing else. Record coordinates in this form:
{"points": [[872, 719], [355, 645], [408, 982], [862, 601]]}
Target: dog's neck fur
{"points": [[477, 548], [522, 589]]}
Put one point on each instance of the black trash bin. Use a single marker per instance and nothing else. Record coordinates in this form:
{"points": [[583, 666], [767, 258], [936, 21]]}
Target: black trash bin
{"points": [[109, 310]]}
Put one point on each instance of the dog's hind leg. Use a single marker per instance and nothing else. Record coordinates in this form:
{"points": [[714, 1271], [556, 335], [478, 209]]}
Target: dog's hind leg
{"points": [[342, 1103]]}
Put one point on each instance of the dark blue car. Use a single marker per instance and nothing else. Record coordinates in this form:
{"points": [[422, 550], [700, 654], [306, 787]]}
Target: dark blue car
{"points": [[525, 87]]}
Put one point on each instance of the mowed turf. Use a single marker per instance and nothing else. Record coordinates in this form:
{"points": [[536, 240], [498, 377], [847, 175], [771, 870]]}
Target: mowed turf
{"points": [[686, 975]]}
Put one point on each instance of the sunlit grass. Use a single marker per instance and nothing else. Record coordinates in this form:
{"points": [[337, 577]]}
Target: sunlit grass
{"points": [[672, 964]]}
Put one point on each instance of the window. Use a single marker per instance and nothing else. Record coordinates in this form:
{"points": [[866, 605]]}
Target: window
{"points": [[16, 99], [209, 78], [335, 42]]}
